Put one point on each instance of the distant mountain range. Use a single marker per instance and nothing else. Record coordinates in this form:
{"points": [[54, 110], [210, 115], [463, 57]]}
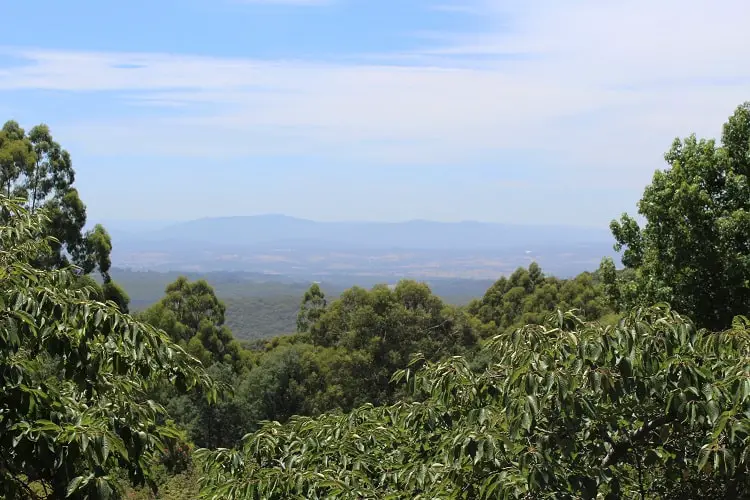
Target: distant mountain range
{"points": [[278, 244], [261, 230]]}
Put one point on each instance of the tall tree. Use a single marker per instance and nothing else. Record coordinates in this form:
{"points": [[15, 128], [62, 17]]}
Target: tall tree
{"points": [[193, 316], [16, 154], [33, 166], [375, 332], [312, 307], [693, 250], [528, 296], [74, 374], [51, 170]]}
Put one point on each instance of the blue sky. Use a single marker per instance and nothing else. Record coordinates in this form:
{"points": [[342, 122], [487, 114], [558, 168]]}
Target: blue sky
{"points": [[541, 111]]}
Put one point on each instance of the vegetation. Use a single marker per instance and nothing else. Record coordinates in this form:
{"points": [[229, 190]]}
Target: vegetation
{"points": [[252, 318], [693, 251], [343, 357], [649, 408], [193, 316], [73, 376], [261, 307], [35, 169], [630, 383], [527, 296], [256, 308]]}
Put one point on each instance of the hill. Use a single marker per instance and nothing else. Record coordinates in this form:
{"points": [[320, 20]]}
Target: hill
{"points": [[304, 249], [416, 234], [264, 306]]}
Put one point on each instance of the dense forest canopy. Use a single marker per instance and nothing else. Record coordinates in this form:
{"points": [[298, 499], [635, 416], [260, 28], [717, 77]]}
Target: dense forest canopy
{"points": [[568, 409], [617, 383]]}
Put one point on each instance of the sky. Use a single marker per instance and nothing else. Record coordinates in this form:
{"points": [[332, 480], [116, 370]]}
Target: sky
{"points": [[533, 111]]}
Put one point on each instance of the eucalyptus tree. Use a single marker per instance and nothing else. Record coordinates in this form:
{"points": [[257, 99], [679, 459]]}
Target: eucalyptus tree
{"points": [[312, 307], [193, 316], [35, 167]]}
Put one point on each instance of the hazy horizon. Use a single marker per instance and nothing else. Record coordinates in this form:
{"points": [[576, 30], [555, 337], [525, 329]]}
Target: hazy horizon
{"points": [[156, 223]]}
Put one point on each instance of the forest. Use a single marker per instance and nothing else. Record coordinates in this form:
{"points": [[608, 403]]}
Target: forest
{"points": [[261, 307], [628, 381]]}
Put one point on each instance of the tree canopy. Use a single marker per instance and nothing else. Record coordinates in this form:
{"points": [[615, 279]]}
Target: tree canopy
{"points": [[693, 251], [527, 296], [569, 409], [384, 327], [36, 169], [312, 307], [74, 373], [193, 316]]}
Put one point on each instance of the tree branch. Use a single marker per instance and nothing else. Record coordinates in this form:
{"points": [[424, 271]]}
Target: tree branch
{"points": [[620, 449], [12, 476]]}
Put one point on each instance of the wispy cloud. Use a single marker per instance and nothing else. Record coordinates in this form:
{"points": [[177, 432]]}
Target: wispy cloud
{"points": [[380, 113], [601, 86], [288, 2], [465, 8]]}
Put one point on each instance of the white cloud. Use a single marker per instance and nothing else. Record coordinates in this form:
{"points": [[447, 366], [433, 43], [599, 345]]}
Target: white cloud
{"points": [[288, 2], [606, 86]]}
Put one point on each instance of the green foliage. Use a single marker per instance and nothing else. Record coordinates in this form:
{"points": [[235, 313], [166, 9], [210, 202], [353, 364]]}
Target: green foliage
{"points": [[111, 291], [36, 168], [262, 317], [693, 250], [373, 333], [311, 309], [182, 486], [74, 373], [649, 408], [528, 296], [282, 385], [387, 392], [193, 316], [207, 423], [262, 307], [345, 353], [304, 374]]}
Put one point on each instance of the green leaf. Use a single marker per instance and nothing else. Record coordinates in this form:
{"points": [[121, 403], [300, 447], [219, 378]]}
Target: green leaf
{"points": [[526, 420], [721, 424], [103, 488], [46, 425], [77, 483], [704, 455], [713, 411], [531, 398]]}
